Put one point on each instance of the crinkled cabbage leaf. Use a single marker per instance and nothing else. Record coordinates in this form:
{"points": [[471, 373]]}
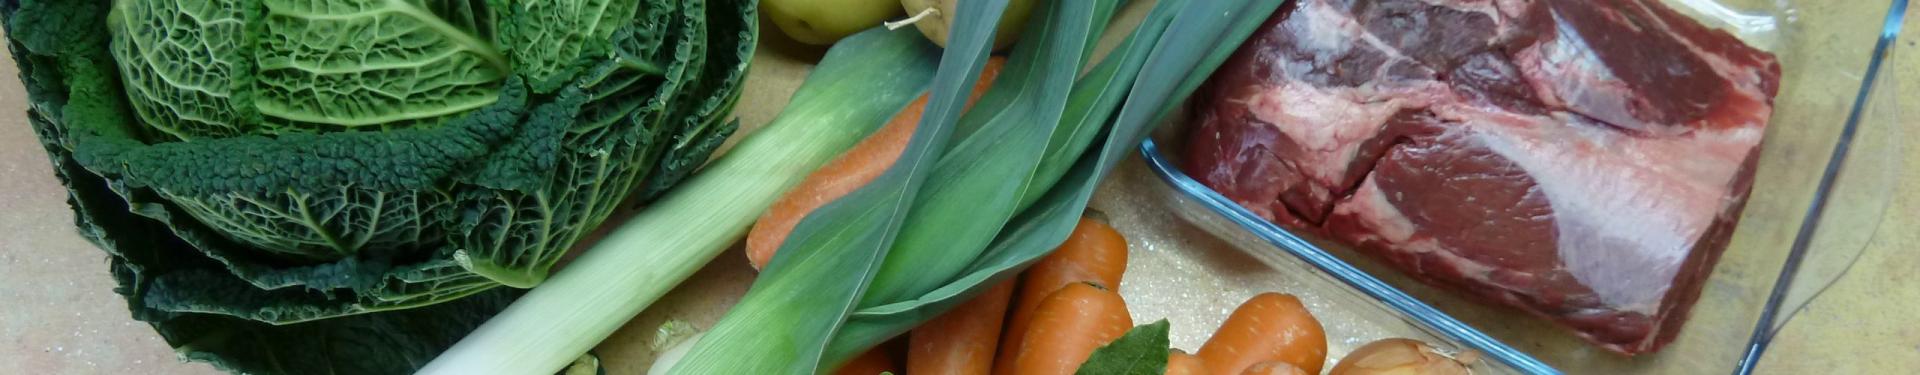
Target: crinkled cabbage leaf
{"points": [[343, 186]]}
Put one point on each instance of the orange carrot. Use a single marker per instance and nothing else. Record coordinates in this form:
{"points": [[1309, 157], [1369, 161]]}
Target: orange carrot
{"points": [[961, 342], [1093, 253], [1069, 326], [1181, 363], [853, 169], [1268, 327], [1273, 368], [874, 361]]}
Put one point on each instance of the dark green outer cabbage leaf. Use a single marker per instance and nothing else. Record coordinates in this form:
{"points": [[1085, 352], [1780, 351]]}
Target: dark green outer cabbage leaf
{"points": [[424, 221]]}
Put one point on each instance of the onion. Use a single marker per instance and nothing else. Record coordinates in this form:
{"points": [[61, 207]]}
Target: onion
{"points": [[1401, 357], [1273, 368]]}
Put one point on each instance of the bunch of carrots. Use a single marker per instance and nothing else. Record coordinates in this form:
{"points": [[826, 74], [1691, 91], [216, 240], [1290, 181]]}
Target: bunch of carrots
{"points": [[1063, 312], [1058, 312], [1053, 317]]}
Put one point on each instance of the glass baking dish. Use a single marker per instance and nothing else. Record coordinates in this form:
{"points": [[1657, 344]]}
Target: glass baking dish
{"points": [[1829, 161], [1195, 256]]}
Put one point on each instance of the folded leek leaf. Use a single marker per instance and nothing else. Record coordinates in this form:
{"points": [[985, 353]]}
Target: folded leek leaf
{"points": [[979, 182], [825, 264], [1094, 100], [1177, 55]]}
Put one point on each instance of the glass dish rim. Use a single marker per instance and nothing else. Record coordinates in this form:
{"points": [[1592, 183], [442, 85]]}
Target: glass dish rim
{"points": [[1765, 327], [1446, 325], [1406, 305]]}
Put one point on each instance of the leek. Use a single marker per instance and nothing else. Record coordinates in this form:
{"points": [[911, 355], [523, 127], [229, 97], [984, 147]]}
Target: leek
{"points": [[1142, 74], [858, 85], [816, 278], [979, 182], [799, 317], [821, 269], [1094, 99]]}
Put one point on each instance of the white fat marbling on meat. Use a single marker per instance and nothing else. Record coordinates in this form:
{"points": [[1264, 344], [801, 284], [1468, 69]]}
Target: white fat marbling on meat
{"points": [[1512, 8], [1564, 71], [1327, 31], [1627, 209], [1328, 124], [1490, 8], [1746, 79], [1371, 206], [1330, 33]]}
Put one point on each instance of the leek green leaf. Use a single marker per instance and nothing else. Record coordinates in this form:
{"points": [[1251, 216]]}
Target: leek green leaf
{"points": [[1093, 100], [979, 182], [1170, 47], [822, 268]]}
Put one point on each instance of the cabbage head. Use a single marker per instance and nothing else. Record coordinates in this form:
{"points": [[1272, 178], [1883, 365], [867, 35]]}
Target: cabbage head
{"points": [[344, 186]]}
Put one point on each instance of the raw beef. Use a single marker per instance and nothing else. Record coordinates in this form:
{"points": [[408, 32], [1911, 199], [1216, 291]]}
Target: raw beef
{"points": [[1584, 161]]}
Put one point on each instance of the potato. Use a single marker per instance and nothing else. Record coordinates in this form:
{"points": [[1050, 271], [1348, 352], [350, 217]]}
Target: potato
{"points": [[822, 22], [934, 25]]}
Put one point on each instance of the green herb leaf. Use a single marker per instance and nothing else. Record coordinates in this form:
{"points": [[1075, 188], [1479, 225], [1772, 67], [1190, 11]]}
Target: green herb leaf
{"points": [[1142, 351]]}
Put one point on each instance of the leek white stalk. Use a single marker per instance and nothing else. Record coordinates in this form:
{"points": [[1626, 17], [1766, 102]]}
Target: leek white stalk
{"points": [[640, 261], [663, 364], [863, 81]]}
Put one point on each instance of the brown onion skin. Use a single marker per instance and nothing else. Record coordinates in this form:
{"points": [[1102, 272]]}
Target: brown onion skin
{"points": [[1398, 356]]}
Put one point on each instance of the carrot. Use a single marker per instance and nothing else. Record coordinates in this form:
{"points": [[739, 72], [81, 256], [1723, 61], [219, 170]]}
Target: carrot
{"points": [[1181, 363], [1273, 368], [961, 341], [874, 361], [1068, 326], [1268, 327], [1093, 253], [853, 169]]}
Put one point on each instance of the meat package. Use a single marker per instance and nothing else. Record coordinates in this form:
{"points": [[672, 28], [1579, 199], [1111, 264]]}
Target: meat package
{"points": [[1584, 161]]}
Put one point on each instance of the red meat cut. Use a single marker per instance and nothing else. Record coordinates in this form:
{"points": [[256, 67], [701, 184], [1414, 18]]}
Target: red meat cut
{"points": [[1584, 161]]}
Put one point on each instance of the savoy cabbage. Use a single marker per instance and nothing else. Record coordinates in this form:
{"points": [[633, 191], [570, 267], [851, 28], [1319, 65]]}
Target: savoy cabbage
{"points": [[343, 186]]}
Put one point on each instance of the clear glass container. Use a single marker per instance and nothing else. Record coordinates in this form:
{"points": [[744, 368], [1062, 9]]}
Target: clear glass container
{"points": [[1830, 159], [1195, 256]]}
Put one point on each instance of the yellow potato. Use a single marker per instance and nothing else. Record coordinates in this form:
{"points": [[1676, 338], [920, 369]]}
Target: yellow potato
{"points": [[934, 25], [822, 22]]}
